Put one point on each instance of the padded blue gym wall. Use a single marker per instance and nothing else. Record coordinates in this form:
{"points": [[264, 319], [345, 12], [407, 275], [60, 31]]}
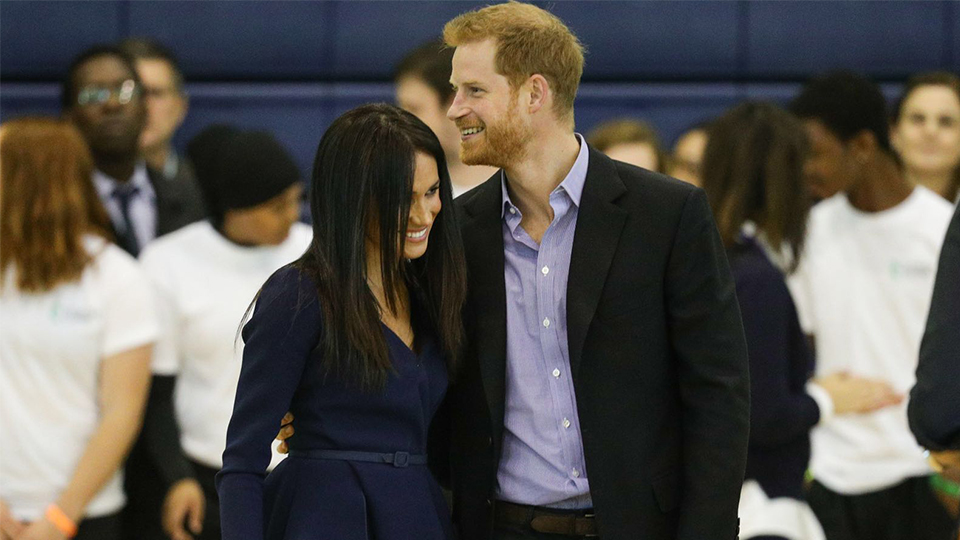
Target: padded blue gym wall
{"points": [[292, 66]]}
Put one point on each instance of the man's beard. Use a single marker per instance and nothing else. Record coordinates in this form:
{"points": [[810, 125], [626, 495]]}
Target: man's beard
{"points": [[503, 144]]}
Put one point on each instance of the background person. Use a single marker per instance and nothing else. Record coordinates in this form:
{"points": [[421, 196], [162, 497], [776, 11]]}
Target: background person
{"points": [[167, 105], [687, 154], [76, 333], [934, 408], [630, 141], [863, 292], [422, 84], [204, 275], [753, 176], [102, 97], [926, 132]]}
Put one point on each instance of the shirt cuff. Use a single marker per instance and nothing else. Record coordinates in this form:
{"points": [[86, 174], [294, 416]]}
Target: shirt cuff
{"points": [[823, 399]]}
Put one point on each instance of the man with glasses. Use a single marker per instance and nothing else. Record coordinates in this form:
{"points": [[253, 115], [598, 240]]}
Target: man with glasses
{"points": [[103, 97], [167, 105]]}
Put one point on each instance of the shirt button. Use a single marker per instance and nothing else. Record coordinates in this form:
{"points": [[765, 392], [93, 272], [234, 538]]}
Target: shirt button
{"points": [[513, 210], [556, 373], [544, 270], [546, 323], [566, 423], [576, 473]]}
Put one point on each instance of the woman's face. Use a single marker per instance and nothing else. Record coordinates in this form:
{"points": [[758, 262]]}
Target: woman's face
{"points": [[424, 207], [927, 134]]}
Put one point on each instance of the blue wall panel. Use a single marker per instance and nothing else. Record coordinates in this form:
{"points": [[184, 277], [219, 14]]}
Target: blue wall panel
{"points": [[885, 39], [297, 114], [671, 108], [241, 40], [655, 39], [39, 39], [953, 28], [372, 37]]}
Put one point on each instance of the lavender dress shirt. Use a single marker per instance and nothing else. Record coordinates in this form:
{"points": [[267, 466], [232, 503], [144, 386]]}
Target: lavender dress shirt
{"points": [[542, 462]]}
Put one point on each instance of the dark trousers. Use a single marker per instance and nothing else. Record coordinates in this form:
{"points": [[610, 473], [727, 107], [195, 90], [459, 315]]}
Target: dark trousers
{"points": [[211, 518], [100, 528], [146, 492], [906, 511]]}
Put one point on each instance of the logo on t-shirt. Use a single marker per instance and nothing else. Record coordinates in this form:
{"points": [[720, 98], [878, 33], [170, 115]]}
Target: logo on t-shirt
{"points": [[910, 270]]}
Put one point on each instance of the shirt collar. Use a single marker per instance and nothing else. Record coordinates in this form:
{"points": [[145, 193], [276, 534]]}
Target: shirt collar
{"points": [[106, 185], [572, 184]]}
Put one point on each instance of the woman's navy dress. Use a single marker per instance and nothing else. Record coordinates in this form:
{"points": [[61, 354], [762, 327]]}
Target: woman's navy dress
{"points": [[306, 498]]}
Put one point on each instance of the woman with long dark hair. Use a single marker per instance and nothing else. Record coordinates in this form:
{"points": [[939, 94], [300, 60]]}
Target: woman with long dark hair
{"points": [[357, 339], [77, 329], [753, 176]]}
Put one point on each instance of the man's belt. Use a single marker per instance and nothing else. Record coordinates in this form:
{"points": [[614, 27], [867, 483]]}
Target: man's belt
{"points": [[545, 520]]}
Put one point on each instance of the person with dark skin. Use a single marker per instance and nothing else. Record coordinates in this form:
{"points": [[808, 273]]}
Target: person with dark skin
{"points": [[863, 291], [102, 96]]}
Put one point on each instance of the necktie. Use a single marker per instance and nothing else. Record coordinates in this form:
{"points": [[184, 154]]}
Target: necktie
{"points": [[127, 238]]}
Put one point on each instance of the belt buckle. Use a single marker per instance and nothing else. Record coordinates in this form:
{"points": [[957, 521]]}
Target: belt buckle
{"points": [[401, 459]]}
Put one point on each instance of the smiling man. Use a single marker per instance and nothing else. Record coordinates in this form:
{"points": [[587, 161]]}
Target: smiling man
{"points": [[605, 385]]}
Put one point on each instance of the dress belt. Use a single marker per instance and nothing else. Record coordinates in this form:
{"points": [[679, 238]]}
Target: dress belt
{"points": [[397, 459]]}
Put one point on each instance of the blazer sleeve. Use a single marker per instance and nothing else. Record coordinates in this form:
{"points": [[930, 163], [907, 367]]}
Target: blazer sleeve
{"points": [[279, 339], [934, 408], [780, 408], [707, 337]]}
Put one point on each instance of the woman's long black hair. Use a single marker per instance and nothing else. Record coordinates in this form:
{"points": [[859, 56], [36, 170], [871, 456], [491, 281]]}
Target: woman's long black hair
{"points": [[362, 175]]}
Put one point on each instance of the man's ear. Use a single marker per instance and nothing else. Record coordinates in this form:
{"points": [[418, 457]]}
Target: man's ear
{"points": [[539, 90], [184, 108], [863, 145]]}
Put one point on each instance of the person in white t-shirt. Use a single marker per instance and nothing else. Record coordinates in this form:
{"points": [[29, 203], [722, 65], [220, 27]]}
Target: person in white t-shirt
{"points": [[206, 275], [862, 291], [77, 328]]}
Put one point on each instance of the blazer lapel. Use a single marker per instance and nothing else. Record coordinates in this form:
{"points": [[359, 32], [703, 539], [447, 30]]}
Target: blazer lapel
{"points": [[169, 205], [483, 241], [599, 225]]}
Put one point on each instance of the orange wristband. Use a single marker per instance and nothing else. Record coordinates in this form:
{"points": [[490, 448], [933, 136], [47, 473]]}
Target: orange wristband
{"points": [[61, 521]]}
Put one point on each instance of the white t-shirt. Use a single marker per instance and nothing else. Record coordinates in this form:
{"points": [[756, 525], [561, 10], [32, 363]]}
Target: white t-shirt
{"points": [[51, 347], [863, 290], [204, 285]]}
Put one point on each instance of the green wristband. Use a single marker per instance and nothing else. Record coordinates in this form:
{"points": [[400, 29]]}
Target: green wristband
{"points": [[945, 486]]}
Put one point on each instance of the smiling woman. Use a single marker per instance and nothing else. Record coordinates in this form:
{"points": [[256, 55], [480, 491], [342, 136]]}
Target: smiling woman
{"points": [[357, 339], [925, 131]]}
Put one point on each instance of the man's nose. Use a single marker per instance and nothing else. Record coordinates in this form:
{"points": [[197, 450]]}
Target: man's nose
{"points": [[454, 111]]}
